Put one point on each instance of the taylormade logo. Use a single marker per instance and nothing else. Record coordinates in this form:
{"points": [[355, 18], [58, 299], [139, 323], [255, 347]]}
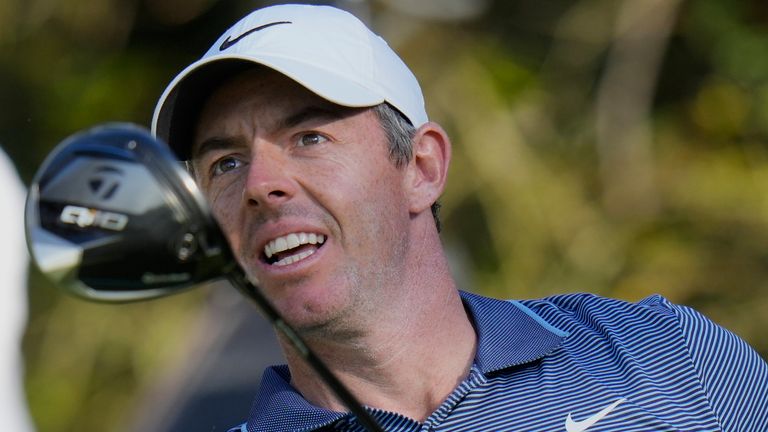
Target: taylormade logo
{"points": [[104, 181]]}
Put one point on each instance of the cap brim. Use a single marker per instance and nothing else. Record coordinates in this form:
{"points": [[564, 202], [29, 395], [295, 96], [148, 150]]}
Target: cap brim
{"points": [[178, 109]]}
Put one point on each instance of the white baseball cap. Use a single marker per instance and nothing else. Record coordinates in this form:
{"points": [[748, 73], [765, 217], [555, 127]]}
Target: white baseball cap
{"points": [[327, 50]]}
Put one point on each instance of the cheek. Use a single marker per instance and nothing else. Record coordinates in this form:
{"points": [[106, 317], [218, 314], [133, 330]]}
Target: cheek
{"points": [[379, 203], [224, 207]]}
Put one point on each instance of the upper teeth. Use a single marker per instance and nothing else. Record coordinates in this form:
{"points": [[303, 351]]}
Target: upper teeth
{"points": [[291, 241]]}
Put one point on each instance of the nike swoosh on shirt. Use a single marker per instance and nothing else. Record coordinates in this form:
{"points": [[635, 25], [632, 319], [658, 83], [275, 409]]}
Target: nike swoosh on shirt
{"points": [[581, 426], [228, 42]]}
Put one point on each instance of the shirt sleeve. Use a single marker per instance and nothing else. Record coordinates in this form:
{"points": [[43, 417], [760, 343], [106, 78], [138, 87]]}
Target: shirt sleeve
{"points": [[733, 375]]}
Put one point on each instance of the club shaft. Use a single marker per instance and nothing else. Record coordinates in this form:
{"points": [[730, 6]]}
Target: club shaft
{"points": [[363, 417]]}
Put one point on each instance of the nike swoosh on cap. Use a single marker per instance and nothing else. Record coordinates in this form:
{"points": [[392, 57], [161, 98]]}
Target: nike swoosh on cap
{"points": [[228, 42], [581, 426]]}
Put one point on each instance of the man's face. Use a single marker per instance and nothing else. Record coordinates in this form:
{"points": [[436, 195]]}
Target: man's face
{"points": [[307, 196]]}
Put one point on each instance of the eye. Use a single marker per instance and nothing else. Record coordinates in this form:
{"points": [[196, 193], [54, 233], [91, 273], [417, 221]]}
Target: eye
{"points": [[225, 165], [312, 138]]}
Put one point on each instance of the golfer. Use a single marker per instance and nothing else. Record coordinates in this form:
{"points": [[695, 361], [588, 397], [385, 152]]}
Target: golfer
{"points": [[310, 139]]}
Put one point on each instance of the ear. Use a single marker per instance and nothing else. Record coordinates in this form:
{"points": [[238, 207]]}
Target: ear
{"points": [[427, 171]]}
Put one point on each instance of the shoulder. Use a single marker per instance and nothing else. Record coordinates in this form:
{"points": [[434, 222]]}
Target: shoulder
{"points": [[591, 307], [587, 301], [648, 322], [653, 312], [239, 428], [652, 325]]}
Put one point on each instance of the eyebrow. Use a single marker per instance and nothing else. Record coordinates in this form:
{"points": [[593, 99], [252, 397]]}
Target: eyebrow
{"points": [[315, 112], [212, 144], [303, 115]]}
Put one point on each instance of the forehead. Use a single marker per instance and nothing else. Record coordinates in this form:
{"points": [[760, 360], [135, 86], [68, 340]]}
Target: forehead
{"points": [[259, 88], [261, 95]]}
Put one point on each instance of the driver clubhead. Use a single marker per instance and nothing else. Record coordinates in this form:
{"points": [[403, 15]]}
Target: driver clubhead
{"points": [[113, 216]]}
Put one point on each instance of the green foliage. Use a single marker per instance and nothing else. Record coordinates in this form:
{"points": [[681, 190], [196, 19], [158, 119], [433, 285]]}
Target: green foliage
{"points": [[549, 192]]}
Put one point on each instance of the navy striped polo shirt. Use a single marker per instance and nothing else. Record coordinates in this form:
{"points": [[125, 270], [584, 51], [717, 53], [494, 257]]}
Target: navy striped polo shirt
{"points": [[572, 363]]}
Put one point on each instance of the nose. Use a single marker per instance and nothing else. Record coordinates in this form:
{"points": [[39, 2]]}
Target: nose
{"points": [[269, 183]]}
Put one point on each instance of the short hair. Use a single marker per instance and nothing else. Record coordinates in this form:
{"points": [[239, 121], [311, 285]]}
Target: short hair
{"points": [[400, 133]]}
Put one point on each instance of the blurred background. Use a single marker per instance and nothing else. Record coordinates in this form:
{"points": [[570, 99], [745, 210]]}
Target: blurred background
{"points": [[614, 147]]}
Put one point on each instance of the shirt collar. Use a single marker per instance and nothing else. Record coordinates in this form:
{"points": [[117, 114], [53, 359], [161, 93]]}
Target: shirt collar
{"points": [[508, 334]]}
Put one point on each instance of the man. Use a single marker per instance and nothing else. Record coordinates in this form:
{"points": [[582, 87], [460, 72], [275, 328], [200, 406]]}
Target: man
{"points": [[309, 137]]}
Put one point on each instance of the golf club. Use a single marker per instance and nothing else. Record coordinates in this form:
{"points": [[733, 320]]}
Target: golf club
{"points": [[113, 216]]}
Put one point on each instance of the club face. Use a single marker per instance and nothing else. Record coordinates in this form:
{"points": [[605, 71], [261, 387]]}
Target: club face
{"points": [[112, 216]]}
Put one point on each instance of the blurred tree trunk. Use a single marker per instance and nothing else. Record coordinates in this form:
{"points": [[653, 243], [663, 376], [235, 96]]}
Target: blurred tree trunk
{"points": [[624, 103]]}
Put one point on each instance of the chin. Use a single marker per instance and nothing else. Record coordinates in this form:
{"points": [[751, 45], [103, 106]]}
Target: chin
{"points": [[305, 308]]}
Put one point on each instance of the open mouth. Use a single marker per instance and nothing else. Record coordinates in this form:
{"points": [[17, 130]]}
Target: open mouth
{"points": [[292, 248]]}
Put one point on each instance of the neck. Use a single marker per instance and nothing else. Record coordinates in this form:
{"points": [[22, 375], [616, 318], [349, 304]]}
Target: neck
{"points": [[409, 357]]}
